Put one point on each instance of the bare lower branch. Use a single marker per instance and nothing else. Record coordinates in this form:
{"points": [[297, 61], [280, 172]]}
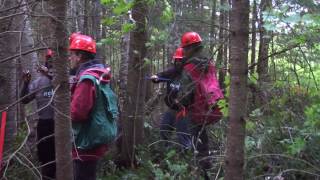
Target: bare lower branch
{"points": [[22, 54], [21, 99], [16, 7], [11, 15], [274, 54]]}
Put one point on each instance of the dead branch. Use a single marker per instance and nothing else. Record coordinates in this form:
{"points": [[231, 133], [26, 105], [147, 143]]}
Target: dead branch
{"points": [[22, 54], [274, 54], [21, 99], [16, 7], [11, 15]]}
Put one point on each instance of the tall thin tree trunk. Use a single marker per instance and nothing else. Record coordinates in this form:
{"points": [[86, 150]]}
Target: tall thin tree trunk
{"points": [[222, 43], [213, 27], [96, 28], [86, 17], [226, 39], [63, 139], [122, 84], [10, 44], [132, 121], [254, 34], [263, 60], [28, 62], [239, 24], [72, 13]]}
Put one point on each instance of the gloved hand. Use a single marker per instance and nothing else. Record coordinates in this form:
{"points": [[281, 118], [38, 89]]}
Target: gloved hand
{"points": [[42, 69], [26, 76], [154, 78]]}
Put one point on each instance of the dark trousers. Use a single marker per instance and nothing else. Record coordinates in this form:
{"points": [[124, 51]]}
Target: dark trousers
{"points": [[169, 124], [85, 170], [46, 148]]}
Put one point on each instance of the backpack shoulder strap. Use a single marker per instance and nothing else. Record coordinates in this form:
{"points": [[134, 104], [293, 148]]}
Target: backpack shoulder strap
{"points": [[192, 70], [87, 76]]}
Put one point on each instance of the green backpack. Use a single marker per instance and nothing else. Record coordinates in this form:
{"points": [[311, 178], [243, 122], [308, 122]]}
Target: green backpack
{"points": [[102, 125]]}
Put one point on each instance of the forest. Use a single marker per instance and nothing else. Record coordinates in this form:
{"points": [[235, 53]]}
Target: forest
{"points": [[264, 55]]}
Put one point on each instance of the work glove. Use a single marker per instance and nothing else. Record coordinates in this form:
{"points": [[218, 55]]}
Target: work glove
{"points": [[26, 76], [154, 78]]}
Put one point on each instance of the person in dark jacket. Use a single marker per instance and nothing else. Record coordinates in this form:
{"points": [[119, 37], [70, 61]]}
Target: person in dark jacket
{"points": [[85, 100], [171, 120], [41, 90]]}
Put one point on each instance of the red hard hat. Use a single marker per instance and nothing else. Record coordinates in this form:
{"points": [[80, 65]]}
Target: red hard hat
{"points": [[82, 42], [190, 38], [178, 55], [72, 36], [49, 54]]}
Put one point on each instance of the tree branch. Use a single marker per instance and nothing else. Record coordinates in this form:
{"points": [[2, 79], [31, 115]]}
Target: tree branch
{"points": [[20, 99], [22, 54], [274, 54], [11, 15], [18, 6]]}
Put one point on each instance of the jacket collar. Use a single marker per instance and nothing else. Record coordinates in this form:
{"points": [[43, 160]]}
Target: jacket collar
{"points": [[89, 64]]}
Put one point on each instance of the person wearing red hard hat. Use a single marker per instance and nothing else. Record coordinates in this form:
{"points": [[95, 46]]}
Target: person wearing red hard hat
{"points": [[94, 109], [170, 120], [199, 93], [178, 54], [41, 90], [171, 71]]}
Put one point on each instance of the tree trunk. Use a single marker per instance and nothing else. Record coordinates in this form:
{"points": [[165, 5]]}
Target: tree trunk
{"points": [[72, 13], [96, 28], [239, 24], [222, 43], [213, 27], [122, 84], [28, 62], [63, 139], [86, 14], [254, 34], [10, 44], [263, 62], [132, 114], [226, 39]]}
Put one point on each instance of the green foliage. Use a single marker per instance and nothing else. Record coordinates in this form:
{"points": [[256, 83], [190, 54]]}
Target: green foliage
{"points": [[167, 13], [157, 38], [127, 27], [107, 2], [154, 164], [227, 82], [286, 129], [121, 7], [313, 117], [114, 21], [109, 21], [174, 169], [119, 10], [297, 146], [223, 105]]}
